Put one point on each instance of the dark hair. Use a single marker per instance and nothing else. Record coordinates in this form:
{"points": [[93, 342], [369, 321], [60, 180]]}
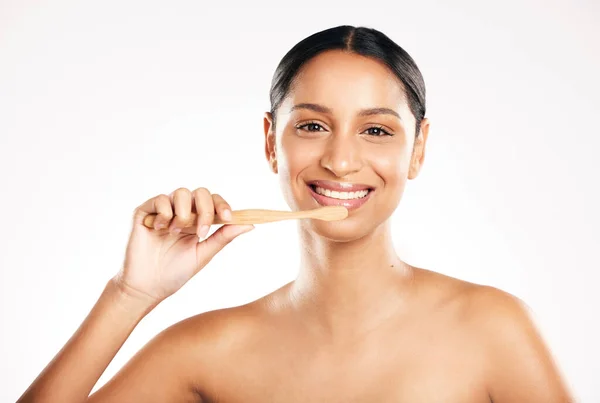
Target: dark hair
{"points": [[360, 40]]}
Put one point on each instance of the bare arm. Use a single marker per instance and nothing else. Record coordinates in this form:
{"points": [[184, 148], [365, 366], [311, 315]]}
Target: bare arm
{"points": [[72, 374], [158, 262], [160, 372]]}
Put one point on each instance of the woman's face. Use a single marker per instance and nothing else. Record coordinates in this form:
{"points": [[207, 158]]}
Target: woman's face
{"points": [[345, 136]]}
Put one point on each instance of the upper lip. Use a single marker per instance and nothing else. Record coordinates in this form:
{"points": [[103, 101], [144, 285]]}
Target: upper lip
{"points": [[340, 186]]}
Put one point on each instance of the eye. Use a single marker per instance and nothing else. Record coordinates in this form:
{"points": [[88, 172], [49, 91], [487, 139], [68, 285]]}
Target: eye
{"points": [[377, 131], [311, 127]]}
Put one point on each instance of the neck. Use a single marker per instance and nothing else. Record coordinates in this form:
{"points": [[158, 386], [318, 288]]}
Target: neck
{"points": [[350, 287]]}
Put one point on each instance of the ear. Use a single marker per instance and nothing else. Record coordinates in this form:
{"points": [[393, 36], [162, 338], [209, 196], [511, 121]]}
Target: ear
{"points": [[270, 148], [418, 154]]}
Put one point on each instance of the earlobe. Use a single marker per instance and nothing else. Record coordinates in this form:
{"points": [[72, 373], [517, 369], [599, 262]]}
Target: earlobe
{"points": [[274, 164]]}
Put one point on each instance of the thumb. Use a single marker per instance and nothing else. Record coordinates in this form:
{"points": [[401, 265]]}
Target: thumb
{"points": [[221, 237]]}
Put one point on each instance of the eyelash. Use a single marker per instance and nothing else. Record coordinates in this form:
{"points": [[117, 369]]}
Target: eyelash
{"points": [[380, 128]]}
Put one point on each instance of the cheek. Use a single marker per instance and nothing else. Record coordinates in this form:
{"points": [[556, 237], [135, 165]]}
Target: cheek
{"points": [[293, 157], [392, 166], [296, 154]]}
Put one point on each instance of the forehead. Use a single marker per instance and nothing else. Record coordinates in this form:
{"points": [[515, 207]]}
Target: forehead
{"points": [[341, 79]]}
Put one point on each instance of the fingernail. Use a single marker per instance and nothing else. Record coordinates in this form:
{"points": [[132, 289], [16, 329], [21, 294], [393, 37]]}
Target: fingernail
{"points": [[227, 215], [176, 230], [203, 231]]}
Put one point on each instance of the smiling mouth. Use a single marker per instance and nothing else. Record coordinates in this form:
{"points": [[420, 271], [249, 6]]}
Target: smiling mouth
{"points": [[327, 193], [340, 195]]}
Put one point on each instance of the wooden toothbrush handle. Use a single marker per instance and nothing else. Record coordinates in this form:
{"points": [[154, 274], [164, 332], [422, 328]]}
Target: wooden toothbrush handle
{"points": [[260, 216], [250, 216]]}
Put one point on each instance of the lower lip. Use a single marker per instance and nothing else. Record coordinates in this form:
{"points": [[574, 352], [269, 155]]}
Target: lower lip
{"points": [[350, 204]]}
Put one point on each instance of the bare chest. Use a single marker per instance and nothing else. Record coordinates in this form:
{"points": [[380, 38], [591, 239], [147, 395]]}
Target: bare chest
{"points": [[377, 373]]}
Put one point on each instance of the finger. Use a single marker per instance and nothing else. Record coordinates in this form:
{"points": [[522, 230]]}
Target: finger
{"points": [[159, 205], [218, 240], [182, 206], [205, 209], [222, 208]]}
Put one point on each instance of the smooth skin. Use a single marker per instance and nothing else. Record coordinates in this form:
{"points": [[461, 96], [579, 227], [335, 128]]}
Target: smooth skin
{"points": [[357, 325]]}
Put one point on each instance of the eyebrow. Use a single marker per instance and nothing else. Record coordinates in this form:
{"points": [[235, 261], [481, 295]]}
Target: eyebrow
{"points": [[363, 112]]}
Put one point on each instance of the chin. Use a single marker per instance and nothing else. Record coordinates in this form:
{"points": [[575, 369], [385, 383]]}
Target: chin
{"points": [[348, 230]]}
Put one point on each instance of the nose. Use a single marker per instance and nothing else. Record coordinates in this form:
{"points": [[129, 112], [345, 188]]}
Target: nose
{"points": [[342, 155]]}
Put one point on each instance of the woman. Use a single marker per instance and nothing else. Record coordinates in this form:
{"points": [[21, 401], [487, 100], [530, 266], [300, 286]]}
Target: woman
{"points": [[347, 126]]}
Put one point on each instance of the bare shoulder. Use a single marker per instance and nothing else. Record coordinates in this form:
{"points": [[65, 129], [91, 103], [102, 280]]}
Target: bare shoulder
{"points": [[492, 308], [495, 314], [217, 331], [481, 303], [520, 365], [217, 340]]}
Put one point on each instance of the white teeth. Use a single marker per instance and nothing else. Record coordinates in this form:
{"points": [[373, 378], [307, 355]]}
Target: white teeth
{"points": [[341, 195]]}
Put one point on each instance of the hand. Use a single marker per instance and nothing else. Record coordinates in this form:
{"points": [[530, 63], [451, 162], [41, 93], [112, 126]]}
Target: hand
{"points": [[159, 261]]}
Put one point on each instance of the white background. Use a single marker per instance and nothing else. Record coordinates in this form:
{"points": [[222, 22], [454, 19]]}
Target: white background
{"points": [[106, 104]]}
